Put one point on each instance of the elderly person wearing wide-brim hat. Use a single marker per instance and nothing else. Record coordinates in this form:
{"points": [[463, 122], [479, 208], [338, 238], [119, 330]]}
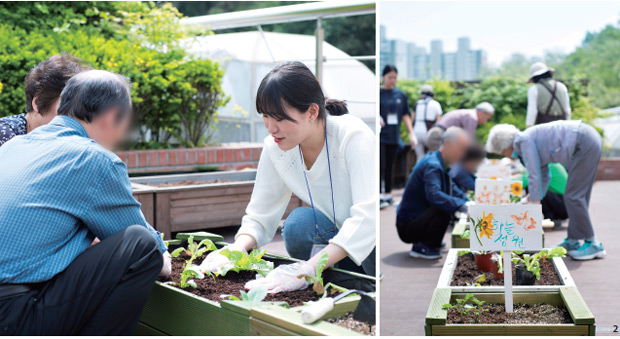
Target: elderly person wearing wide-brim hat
{"points": [[575, 145], [547, 99]]}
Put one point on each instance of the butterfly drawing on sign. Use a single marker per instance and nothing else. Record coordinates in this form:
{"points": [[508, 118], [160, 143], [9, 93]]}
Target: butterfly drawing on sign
{"points": [[484, 197], [531, 226], [497, 196], [520, 219]]}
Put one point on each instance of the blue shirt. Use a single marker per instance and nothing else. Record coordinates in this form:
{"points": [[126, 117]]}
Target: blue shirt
{"points": [[12, 126], [464, 180], [429, 186], [392, 101], [59, 190]]}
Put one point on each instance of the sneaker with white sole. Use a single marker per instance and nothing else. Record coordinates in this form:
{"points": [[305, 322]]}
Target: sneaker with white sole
{"points": [[588, 251], [383, 204], [570, 246], [424, 252]]}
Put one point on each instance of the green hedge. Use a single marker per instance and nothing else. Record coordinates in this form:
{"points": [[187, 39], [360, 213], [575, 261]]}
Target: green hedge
{"points": [[508, 96], [138, 40]]}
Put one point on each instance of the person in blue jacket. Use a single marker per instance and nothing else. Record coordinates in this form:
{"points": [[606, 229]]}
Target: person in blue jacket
{"points": [[431, 198], [575, 145], [463, 174]]}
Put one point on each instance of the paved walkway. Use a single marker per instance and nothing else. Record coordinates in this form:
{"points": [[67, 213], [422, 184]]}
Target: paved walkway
{"points": [[408, 283]]}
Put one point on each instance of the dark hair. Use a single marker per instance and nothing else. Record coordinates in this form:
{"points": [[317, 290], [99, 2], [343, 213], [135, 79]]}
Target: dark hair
{"points": [[47, 79], [546, 75], [91, 93], [475, 152], [389, 68], [293, 84]]}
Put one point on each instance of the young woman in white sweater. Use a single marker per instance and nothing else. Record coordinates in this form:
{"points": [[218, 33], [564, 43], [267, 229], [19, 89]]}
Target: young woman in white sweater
{"points": [[325, 157]]}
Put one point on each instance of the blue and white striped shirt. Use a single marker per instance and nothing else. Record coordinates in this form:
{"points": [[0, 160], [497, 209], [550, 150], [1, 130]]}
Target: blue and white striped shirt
{"points": [[59, 190]]}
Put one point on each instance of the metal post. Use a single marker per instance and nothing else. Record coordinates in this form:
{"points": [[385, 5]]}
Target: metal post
{"points": [[319, 51]]}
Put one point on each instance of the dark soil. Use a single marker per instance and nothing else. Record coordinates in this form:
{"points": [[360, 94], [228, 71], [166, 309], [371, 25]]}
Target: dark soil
{"points": [[231, 284], [466, 272], [347, 321], [190, 182], [523, 314]]}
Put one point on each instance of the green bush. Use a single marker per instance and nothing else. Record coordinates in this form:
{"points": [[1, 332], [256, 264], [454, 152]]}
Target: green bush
{"points": [[507, 95], [138, 40]]}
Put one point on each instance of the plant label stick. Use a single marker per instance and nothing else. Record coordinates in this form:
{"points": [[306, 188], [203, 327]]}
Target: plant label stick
{"points": [[508, 282]]}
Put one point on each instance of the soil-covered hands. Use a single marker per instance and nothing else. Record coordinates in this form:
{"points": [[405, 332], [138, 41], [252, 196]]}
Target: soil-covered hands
{"points": [[285, 278], [167, 267], [214, 262]]}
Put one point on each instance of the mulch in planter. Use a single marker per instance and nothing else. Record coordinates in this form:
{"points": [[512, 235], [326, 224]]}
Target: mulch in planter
{"points": [[466, 272], [191, 182], [348, 322], [231, 284], [523, 314]]}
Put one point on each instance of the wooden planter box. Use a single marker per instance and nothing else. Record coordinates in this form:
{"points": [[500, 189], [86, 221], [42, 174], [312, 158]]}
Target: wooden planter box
{"points": [[173, 311], [583, 319], [452, 258], [460, 227], [197, 207]]}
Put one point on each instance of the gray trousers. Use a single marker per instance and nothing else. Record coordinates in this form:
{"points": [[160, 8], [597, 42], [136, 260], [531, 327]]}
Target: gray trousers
{"points": [[581, 174]]}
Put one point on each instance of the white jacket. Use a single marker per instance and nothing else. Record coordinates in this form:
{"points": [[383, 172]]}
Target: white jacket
{"points": [[280, 173]]}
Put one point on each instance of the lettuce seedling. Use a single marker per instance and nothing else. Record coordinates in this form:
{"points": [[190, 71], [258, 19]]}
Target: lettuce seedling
{"points": [[189, 273], [467, 306], [317, 279], [256, 294], [242, 261], [194, 250], [532, 262]]}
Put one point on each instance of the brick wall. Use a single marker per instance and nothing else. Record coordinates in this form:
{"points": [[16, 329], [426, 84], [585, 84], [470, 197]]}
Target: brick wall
{"points": [[234, 156], [608, 169]]}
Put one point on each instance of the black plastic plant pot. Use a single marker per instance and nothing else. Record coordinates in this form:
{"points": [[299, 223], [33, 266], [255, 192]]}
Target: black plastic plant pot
{"points": [[523, 276]]}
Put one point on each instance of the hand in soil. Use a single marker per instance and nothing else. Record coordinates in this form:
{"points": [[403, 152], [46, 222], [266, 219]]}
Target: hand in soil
{"points": [[166, 268], [214, 262], [284, 278]]}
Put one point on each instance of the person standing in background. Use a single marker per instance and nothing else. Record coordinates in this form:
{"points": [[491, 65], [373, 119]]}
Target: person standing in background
{"points": [[427, 113], [547, 99], [393, 109]]}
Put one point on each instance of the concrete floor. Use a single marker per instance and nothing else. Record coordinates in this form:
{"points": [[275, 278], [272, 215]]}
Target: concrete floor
{"points": [[408, 283]]}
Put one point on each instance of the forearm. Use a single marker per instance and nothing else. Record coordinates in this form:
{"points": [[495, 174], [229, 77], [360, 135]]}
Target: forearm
{"points": [[408, 123], [335, 253]]}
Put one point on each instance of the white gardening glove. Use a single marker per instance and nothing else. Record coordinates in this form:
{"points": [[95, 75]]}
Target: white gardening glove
{"points": [[167, 268], [214, 262], [285, 278]]}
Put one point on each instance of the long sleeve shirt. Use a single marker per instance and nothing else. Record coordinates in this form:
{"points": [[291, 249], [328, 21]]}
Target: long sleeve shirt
{"points": [[532, 103], [466, 119], [59, 190], [540, 145], [430, 185], [352, 154]]}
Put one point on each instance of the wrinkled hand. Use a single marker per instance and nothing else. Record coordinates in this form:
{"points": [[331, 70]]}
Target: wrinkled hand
{"points": [[167, 267], [285, 278], [214, 262]]}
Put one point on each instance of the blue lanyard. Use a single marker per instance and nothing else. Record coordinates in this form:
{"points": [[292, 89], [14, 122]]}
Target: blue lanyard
{"points": [[331, 185]]}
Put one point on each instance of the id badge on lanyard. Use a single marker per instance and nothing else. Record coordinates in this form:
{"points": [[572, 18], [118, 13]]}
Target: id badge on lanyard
{"points": [[392, 119], [316, 248]]}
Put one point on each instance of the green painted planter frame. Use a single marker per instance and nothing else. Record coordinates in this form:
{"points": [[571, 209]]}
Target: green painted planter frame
{"points": [[583, 319]]}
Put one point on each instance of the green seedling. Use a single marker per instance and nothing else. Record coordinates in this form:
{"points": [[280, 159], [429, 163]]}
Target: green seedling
{"points": [[256, 294], [466, 234], [187, 277], [317, 279], [478, 280], [461, 253], [242, 261], [194, 250], [532, 262], [468, 306], [498, 260], [162, 238]]}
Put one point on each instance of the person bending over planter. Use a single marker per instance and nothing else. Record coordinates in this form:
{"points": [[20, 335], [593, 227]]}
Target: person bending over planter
{"points": [[431, 198], [467, 119], [62, 188], [327, 161], [43, 86], [575, 145]]}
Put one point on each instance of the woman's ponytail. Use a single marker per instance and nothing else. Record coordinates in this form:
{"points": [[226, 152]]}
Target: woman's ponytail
{"points": [[336, 107]]}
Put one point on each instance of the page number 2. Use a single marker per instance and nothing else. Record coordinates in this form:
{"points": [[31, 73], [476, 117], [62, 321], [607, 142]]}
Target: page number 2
{"points": [[615, 328]]}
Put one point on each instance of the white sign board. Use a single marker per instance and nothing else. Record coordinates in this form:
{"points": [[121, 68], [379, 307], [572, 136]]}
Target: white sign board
{"points": [[493, 169], [505, 227], [492, 192]]}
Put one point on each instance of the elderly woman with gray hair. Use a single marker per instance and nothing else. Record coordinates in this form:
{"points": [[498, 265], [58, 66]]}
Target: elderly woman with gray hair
{"points": [[575, 145]]}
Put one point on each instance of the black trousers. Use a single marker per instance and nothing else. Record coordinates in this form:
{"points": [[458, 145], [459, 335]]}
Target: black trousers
{"points": [[427, 228], [387, 159], [102, 292], [553, 206]]}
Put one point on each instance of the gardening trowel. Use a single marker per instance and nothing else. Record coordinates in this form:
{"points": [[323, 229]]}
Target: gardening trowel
{"points": [[365, 311]]}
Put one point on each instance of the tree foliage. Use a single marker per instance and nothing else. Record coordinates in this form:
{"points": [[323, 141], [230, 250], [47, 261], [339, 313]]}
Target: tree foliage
{"points": [[137, 39]]}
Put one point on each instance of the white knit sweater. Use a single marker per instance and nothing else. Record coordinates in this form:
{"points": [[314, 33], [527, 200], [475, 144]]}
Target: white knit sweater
{"points": [[352, 152]]}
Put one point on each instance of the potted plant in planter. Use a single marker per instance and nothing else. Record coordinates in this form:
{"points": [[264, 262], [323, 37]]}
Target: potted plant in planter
{"points": [[527, 267], [498, 265], [484, 260]]}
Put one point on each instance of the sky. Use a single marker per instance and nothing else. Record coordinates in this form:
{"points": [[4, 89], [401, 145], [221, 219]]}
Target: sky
{"points": [[501, 28]]}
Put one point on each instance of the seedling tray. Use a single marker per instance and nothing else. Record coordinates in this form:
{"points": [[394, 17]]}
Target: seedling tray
{"points": [[583, 319], [445, 278]]}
